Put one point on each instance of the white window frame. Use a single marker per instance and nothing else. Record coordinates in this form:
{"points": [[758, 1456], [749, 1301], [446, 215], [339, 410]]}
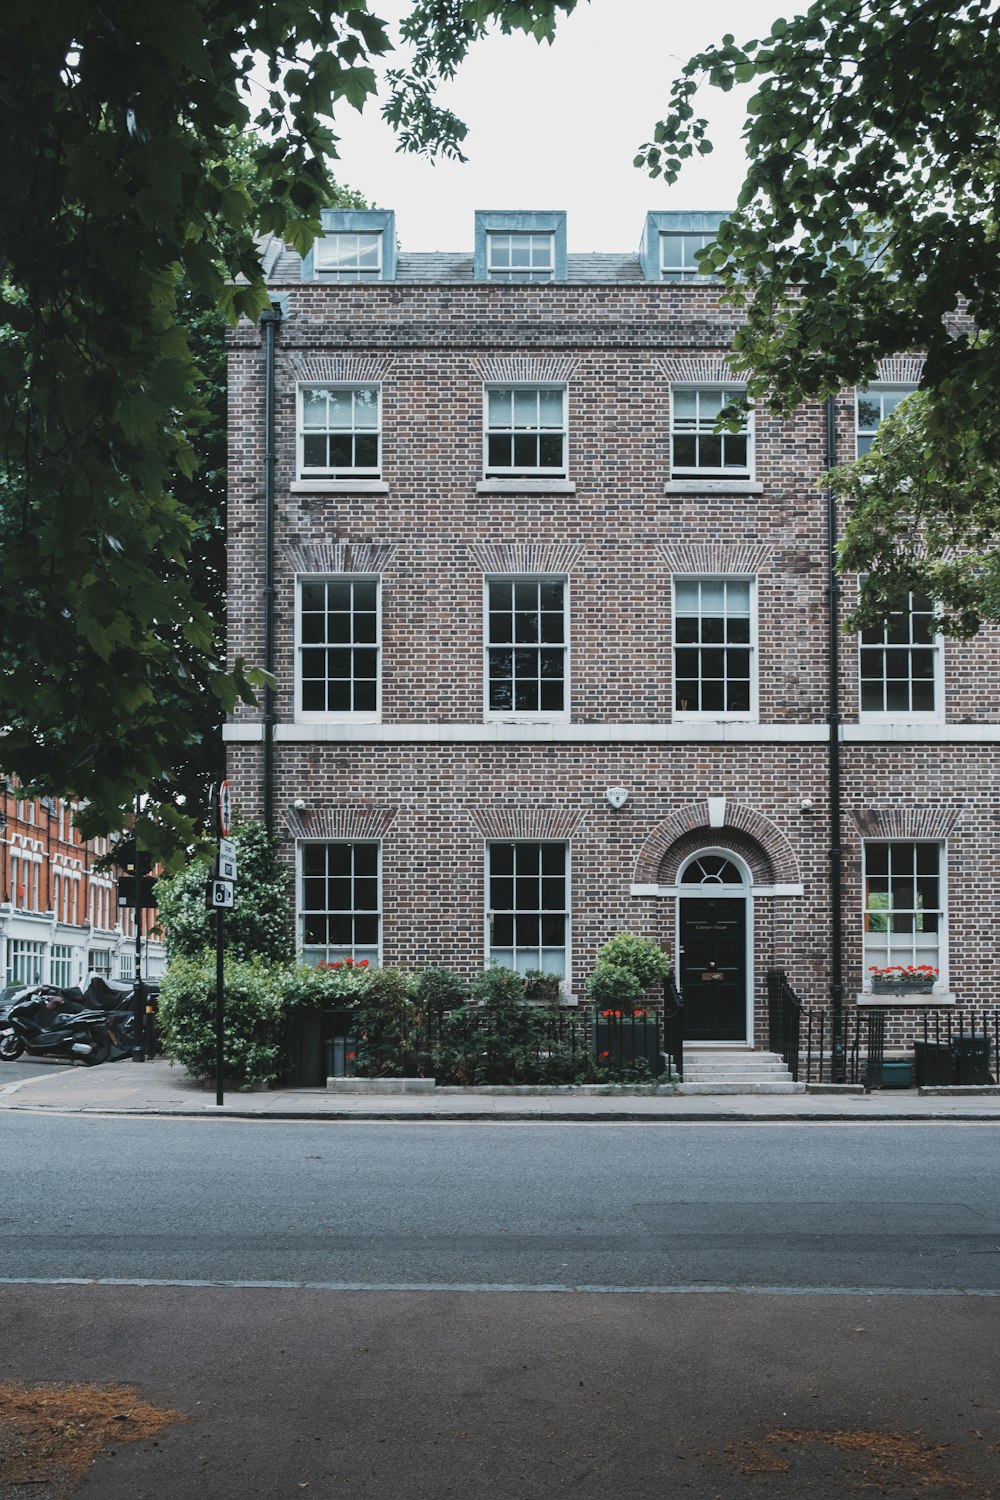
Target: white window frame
{"points": [[933, 715], [748, 581], [25, 961], [526, 956], [684, 271], [338, 952], [877, 391], [538, 430], [883, 955], [704, 429], [353, 431], [529, 715], [497, 239], [329, 715], [347, 268], [61, 965]]}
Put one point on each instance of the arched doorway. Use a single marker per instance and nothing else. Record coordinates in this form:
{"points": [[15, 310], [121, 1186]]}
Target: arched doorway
{"points": [[714, 946]]}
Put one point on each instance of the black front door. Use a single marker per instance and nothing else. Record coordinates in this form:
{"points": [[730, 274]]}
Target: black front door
{"points": [[713, 970]]}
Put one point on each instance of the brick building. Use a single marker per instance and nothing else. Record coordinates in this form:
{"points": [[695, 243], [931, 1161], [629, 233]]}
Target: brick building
{"points": [[59, 917], [554, 657]]}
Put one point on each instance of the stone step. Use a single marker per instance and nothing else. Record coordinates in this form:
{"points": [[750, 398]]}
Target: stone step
{"points": [[710, 1072], [734, 1064]]}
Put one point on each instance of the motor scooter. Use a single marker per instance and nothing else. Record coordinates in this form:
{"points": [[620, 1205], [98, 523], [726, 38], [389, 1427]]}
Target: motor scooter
{"points": [[49, 1022]]}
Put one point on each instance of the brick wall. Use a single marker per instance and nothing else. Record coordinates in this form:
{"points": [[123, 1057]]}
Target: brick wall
{"points": [[617, 540]]}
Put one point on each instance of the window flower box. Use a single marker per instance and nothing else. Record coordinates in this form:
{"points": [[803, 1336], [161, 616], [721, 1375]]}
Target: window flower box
{"points": [[897, 979]]}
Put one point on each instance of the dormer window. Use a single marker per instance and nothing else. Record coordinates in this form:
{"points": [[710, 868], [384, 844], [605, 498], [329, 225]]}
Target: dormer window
{"points": [[357, 244], [520, 257], [678, 255], [671, 242], [342, 256], [519, 246]]}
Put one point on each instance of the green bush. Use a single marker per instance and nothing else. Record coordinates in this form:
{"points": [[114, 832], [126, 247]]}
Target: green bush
{"points": [[610, 984], [437, 990], [254, 995], [505, 1040], [540, 986], [642, 957], [498, 986], [261, 920], [392, 1036]]}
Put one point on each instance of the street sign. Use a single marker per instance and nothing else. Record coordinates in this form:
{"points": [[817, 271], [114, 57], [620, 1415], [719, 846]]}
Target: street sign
{"points": [[225, 863], [220, 894], [225, 809]]}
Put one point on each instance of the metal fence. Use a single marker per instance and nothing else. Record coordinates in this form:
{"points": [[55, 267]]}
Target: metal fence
{"points": [[949, 1046], [533, 1045]]}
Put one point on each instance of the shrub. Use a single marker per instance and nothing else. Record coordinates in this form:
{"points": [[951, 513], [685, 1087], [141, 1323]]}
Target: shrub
{"points": [[438, 990], [642, 957], [497, 986], [610, 984], [392, 1036], [504, 1040], [253, 1011], [538, 985], [326, 984], [261, 920]]}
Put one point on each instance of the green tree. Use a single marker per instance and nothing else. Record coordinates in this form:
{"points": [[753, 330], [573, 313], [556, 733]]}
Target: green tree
{"points": [[260, 924], [117, 121], [867, 226]]}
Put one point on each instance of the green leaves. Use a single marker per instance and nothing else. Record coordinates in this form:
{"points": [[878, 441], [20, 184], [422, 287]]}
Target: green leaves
{"points": [[130, 226]]}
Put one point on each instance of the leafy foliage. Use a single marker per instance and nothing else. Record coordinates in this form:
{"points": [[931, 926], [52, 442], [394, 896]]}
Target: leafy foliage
{"points": [[641, 957], [260, 923], [118, 124], [504, 1040], [254, 1007], [923, 520], [867, 226], [611, 984]]}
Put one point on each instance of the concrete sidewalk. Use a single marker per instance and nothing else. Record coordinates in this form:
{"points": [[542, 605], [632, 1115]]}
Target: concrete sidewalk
{"points": [[158, 1088]]}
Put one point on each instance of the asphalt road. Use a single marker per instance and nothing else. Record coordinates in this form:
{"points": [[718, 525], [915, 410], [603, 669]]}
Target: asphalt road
{"points": [[671, 1206], [858, 1358]]}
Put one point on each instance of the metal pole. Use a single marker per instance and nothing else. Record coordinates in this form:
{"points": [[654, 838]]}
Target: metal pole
{"points": [[838, 1065], [138, 990], [218, 1005]]}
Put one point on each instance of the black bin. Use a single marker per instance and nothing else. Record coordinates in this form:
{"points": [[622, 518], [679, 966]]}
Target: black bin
{"points": [[972, 1059], [932, 1064]]}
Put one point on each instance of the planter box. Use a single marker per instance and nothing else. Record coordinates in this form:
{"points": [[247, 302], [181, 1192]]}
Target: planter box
{"points": [[625, 1042], [902, 986]]}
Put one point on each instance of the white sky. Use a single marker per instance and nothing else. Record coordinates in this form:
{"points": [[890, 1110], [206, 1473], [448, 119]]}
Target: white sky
{"points": [[557, 127]]}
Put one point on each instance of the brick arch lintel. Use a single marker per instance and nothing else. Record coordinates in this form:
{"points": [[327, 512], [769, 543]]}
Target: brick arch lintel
{"points": [[694, 817]]}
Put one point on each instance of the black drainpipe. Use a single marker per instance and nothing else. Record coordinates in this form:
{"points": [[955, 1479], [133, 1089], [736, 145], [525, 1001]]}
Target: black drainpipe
{"points": [[838, 1068], [269, 322]]}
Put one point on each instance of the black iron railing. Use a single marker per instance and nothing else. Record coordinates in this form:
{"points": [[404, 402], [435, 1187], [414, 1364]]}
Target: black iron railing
{"points": [[528, 1044], [949, 1046], [784, 1020], [673, 1027]]}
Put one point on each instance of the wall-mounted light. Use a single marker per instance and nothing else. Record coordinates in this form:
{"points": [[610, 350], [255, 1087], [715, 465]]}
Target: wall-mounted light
{"points": [[617, 796], [299, 804], [806, 804]]}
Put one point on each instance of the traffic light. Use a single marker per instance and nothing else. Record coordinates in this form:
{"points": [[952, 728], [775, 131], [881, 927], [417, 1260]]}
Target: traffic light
{"points": [[136, 890]]}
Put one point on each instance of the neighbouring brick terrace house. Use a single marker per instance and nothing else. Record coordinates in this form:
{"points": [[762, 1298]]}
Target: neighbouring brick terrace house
{"points": [[553, 656], [59, 916]]}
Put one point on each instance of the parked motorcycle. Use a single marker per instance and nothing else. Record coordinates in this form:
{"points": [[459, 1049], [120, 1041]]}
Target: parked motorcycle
{"points": [[51, 1022]]}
